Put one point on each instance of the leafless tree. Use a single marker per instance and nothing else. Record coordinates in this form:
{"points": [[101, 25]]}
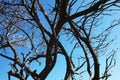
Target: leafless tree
{"points": [[34, 30]]}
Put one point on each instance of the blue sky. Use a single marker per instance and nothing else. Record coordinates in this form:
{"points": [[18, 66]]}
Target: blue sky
{"points": [[58, 72]]}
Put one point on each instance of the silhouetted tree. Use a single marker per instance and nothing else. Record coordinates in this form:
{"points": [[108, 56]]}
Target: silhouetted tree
{"points": [[37, 29]]}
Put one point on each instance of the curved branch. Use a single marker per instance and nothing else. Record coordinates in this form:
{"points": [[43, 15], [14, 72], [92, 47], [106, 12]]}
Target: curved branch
{"points": [[68, 61], [94, 8]]}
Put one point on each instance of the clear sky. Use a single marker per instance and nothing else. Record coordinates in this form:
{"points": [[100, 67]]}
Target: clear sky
{"points": [[58, 72]]}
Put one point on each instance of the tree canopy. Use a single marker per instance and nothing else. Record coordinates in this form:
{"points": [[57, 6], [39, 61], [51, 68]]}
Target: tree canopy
{"points": [[38, 32]]}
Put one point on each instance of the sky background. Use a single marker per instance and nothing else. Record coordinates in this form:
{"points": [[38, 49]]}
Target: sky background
{"points": [[58, 72]]}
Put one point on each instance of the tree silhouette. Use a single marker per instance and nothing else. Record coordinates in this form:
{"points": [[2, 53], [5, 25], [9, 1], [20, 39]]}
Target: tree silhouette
{"points": [[34, 30]]}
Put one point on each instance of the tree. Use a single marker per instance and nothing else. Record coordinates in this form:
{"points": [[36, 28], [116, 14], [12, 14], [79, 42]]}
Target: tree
{"points": [[32, 30]]}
